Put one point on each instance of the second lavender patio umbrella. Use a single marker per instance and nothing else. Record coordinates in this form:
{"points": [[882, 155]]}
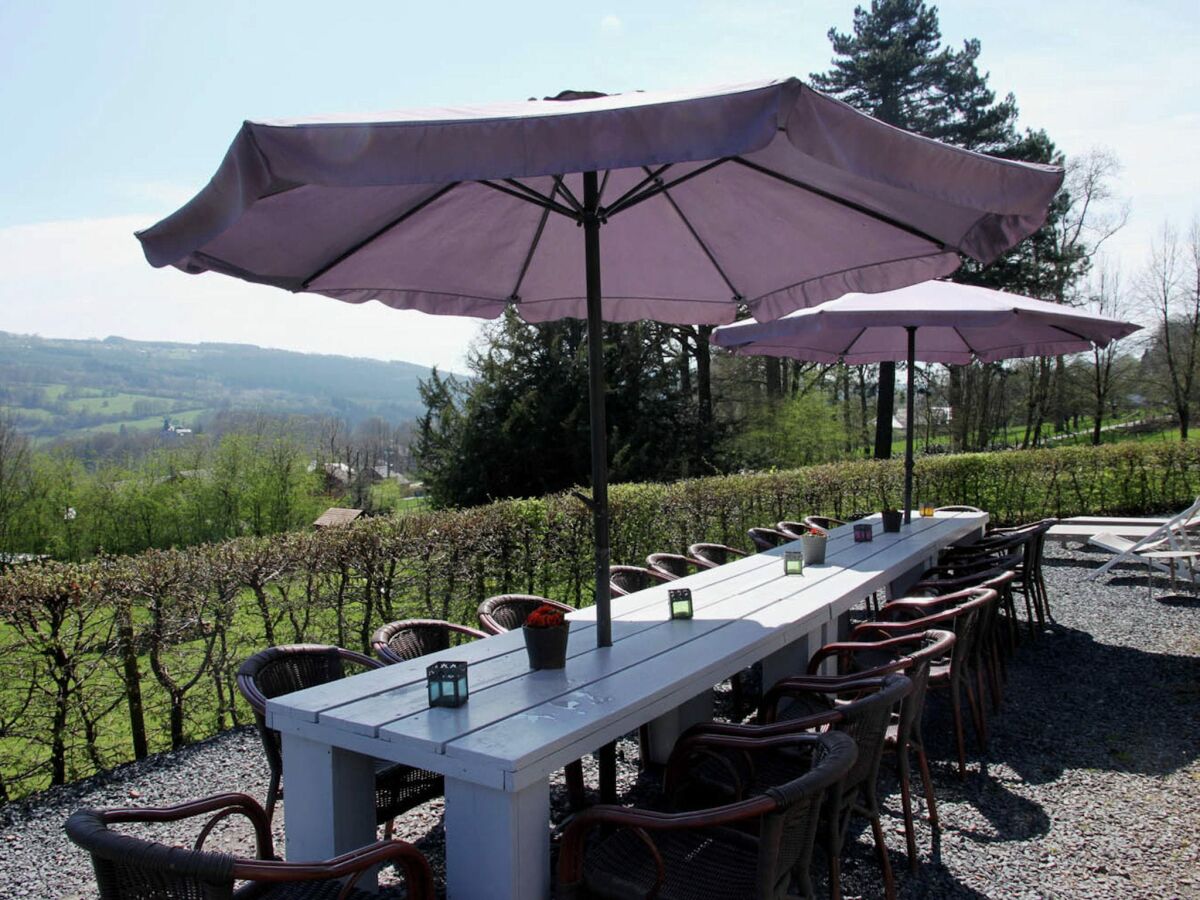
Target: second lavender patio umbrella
{"points": [[938, 321], [766, 196]]}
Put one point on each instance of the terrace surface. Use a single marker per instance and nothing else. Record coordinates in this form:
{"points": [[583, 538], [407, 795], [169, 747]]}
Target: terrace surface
{"points": [[1090, 786]]}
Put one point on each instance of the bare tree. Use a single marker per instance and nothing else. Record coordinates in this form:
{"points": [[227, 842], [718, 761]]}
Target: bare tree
{"points": [[1170, 289], [1107, 298]]}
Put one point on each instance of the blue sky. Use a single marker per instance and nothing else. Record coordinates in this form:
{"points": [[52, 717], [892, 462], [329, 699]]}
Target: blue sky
{"points": [[115, 113]]}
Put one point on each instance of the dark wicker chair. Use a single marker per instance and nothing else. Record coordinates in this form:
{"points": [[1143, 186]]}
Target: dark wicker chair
{"points": [[673, 565], [914, 655], [413, 638], [626, 580], [293, 667], [958, 509], [822, 523], [131, 868], [865, 718], [507, 612], [747, 849], [712, 555], [955, 674], [767, 538]]}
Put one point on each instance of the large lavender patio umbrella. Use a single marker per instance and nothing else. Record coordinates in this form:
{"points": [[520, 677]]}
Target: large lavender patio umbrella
{"points": [[765, 196], [938, 321]]}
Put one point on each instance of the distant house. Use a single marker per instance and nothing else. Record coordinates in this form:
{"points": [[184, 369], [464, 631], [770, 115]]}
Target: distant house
{"points": [[336, 516], [338, 475], [384, 473]]}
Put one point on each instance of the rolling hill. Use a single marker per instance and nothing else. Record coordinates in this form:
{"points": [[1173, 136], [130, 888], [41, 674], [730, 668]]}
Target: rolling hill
{"points": [[57, 388]]}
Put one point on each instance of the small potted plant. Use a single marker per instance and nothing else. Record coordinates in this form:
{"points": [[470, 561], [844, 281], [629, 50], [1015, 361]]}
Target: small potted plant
{"points": [[813, 544], [892, 520], [546, 631]]}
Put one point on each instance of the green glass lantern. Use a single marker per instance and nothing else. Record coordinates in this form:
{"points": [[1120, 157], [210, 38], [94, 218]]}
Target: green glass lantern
{"points": [[793, 562], [447, 682], [681, 603]]}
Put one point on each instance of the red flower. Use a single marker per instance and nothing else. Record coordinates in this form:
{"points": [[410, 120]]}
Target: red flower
{"points": [[545, 616]]}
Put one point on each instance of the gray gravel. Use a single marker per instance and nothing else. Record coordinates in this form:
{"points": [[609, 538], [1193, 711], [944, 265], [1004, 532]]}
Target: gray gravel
{"points": [[1090, 787]]}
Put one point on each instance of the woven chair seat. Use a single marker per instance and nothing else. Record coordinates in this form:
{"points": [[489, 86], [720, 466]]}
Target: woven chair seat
{"points": [[718, 864], [300, 890], [399, 788]]}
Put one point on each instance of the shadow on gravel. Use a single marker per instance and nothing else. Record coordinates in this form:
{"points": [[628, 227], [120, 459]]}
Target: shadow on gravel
{"points": [[1074, 703]]}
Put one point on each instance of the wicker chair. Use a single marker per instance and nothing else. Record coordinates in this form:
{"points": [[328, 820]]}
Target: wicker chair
{"points": [[865, 718], [955, 674], [131, 868], [748, 849], [963, 508], [767, 538], [507, 612], [293, 667], [914, 655], [712, 555], [626, 580], [673, 565], [822, 523], [413, 638]]}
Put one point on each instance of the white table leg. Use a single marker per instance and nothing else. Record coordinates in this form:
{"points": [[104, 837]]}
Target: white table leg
{"points": [[329, 801], [665, 730], [792, 660], [497, 842]]}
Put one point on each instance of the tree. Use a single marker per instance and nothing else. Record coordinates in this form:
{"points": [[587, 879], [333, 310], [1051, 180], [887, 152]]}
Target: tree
{"points": [[15, 480], [895, 68], [1170, 289], [1107, 298]]}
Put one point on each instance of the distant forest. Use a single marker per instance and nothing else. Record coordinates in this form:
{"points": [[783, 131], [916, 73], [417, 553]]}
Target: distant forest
{"points": [[68, 391]]}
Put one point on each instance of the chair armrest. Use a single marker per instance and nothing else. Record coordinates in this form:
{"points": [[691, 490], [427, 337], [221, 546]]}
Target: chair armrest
{"points": [[417, 874], [818, 684], [847, 649]]}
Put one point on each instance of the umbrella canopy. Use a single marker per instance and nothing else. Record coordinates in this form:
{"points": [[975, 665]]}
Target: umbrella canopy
{"points": [[768, 196], [938, 321]]}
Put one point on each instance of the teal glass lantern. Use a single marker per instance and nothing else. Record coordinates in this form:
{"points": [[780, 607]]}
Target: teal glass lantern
{"points": [[681, 603], [793, 562], [447, 683]]}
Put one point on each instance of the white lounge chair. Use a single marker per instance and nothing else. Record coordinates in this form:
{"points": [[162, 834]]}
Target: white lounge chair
{"points": [[1174, 534]]}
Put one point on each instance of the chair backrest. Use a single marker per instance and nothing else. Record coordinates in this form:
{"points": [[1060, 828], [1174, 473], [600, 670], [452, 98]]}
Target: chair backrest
{"points": [[412, 638], [794, 530], [712, 555], [288, 668], [866, 720], [767, 538], [822, 523], [625, 580], [506, 612], [959, 508], [786, 836], [672, 565]]}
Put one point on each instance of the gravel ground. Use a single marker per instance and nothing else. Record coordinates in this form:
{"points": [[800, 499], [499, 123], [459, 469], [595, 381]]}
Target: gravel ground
{"points": [[1090, 786]]}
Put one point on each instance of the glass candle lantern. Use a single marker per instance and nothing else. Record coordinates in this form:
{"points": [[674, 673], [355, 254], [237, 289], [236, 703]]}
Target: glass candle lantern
{"points": [[681, 603], [863, 532], [793, 562], [926, 508], [447, 683]]}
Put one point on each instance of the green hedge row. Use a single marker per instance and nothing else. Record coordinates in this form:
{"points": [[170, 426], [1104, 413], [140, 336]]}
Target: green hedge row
{"points": [[109, 660]]}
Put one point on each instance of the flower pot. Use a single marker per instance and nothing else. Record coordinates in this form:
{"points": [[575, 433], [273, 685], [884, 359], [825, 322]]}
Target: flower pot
{"points": [[892, 519], [813, 546], [547, 647]]}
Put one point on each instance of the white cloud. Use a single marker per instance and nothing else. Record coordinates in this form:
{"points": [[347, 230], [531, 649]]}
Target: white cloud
{"points": [[610, 24], [87, 278]]}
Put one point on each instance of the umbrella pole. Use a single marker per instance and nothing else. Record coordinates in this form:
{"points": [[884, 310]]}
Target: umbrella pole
{"points": [[591, 251], [908, 424]]}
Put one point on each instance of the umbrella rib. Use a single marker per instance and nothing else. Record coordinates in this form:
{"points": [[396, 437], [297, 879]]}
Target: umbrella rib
{"points": [[737, 295], [658, 189], [616, 204], [378, 233], [529, 195], [841, 201], [560, 187], [515, 296]]}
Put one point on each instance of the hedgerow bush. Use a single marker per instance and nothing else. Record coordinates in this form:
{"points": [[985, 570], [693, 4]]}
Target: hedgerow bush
{"points": [[106, 661]]}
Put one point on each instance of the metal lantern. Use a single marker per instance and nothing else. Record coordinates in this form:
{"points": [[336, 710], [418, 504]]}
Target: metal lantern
{"points": [[447, 683], [863, 533], [681, 603], [793, 562], [926, 509]]}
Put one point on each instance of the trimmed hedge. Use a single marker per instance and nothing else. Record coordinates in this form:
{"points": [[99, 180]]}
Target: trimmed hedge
{"points": [[109, 660]]}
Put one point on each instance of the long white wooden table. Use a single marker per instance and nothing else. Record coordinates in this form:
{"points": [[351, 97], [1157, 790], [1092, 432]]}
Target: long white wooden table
{"points": [[519, 726]]}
